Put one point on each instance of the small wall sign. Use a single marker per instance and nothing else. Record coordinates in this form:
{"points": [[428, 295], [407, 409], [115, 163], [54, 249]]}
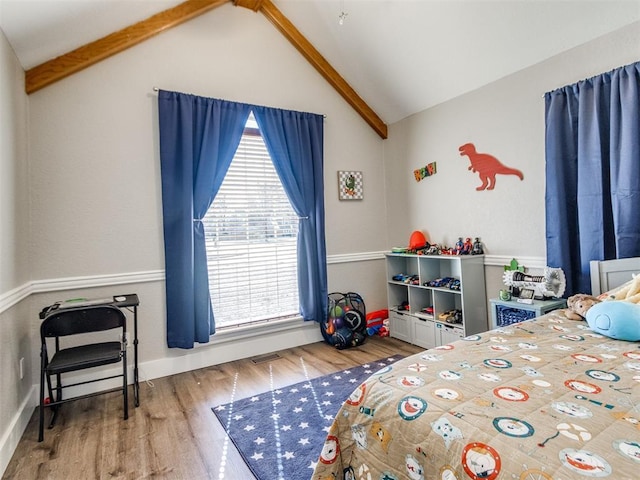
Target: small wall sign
{"points": [[350, 185], [426, 171]]}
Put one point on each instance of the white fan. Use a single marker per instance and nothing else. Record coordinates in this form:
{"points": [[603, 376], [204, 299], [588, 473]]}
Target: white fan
{"points": [[551, 284]]}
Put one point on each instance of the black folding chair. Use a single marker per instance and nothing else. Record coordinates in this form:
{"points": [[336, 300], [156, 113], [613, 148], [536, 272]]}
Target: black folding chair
{"points": [[66, 322]]}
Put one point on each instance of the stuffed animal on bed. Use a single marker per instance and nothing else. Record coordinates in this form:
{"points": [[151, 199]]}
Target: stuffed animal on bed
{"points": [[629, 292], [619, 320], [578, 305]]}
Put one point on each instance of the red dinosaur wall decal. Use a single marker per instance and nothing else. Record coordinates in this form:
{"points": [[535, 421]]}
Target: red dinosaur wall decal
{"points": [[487, 166]]}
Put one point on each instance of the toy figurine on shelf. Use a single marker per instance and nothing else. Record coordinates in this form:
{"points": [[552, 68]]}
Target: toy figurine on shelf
{"points": [[459, 246], [477, 247], [444, 250], [467, 247]]}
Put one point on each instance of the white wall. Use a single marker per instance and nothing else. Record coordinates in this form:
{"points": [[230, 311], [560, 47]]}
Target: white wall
{"points": [[14, 195], [15, 332], [96, 196], [505, 119]]}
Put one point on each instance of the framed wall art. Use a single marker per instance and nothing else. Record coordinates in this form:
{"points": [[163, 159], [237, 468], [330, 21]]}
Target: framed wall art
{"points": [[350, 185]]}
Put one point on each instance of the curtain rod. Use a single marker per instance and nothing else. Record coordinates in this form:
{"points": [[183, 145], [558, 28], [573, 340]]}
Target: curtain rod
{"points": [[593, 77], [156, 89]]}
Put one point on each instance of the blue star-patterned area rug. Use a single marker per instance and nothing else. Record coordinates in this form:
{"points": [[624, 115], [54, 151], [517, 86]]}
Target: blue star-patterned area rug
{"points": [[280, 433]]}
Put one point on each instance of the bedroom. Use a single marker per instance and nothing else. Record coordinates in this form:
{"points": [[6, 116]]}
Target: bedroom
{"points": [[84, 152]]}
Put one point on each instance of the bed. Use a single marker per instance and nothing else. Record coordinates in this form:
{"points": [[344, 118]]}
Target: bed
{"points": [[543, 399]]}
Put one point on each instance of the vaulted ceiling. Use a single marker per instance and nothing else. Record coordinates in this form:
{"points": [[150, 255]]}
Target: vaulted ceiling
{"points": [[400, 56]]}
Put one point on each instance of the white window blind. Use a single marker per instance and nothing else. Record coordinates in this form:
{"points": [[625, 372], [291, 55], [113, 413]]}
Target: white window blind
{"points": [[251, 231]]}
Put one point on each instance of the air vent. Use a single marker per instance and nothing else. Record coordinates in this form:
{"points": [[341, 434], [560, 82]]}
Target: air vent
{"points": [[268, 357]]}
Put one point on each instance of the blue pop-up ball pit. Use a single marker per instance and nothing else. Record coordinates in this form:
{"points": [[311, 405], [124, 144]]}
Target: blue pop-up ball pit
{"points": [[615, 319]]}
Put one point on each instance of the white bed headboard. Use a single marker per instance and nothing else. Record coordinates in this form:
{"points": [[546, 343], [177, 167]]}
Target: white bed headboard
{"points": [[608, 274]]}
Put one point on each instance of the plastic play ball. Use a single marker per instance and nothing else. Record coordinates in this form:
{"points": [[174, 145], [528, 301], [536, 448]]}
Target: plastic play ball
{"points": [[338, 322], [353, 319], [336, 312], [417, 240]]}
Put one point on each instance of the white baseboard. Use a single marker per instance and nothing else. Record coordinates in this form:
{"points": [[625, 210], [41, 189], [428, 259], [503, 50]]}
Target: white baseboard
{"points": [[205, 355], [220, 351], [214, 353], [13, 434]]}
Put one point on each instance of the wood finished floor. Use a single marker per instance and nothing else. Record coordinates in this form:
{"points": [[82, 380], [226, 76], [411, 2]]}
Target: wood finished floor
{"points": [[173, 434]]}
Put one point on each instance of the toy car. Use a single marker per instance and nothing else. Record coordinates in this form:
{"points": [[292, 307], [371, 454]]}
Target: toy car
{"points": [[440, 282], [433, 250], [428, 310]]}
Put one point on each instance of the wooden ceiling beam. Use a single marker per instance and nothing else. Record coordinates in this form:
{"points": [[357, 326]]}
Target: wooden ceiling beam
{"points": [[308, 51], [250, 4], [60, 67]]}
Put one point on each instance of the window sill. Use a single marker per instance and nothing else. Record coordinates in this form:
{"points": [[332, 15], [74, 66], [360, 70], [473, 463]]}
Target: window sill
{"points": [[231, 334]]}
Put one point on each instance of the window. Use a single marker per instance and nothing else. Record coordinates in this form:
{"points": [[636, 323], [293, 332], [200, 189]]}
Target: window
{"points": [[251, 233]]}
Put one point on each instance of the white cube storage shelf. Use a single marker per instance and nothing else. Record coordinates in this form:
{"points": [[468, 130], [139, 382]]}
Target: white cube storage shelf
{"points": [[413, 325]]}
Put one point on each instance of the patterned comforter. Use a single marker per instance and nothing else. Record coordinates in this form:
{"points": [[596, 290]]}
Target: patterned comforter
{"points": [[543, 399]]}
